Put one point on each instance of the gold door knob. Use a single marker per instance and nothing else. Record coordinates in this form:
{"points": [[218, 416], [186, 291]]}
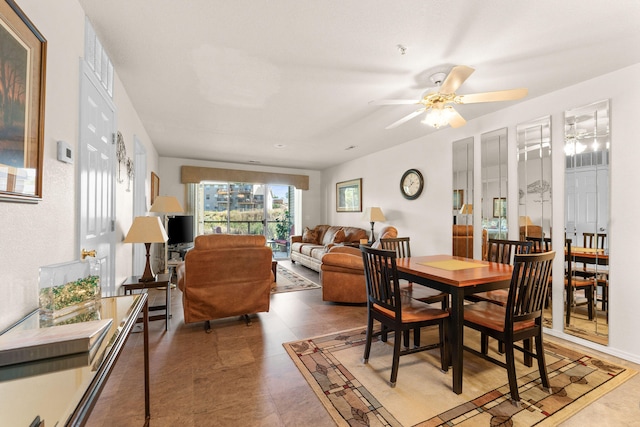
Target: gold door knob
{"points": [[85, 253]]}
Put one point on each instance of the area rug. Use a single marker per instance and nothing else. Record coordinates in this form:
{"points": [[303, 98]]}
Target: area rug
{"points": [[288, 281], [358, 394]]}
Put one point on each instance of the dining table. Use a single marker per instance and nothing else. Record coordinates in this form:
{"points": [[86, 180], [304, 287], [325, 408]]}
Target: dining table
{"points": [[458, 277], [598, 260]]}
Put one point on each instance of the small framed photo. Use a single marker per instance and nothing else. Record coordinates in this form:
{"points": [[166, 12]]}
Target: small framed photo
{"points": [[349, 196], [499, 207], [155, 187], [458, 199]]}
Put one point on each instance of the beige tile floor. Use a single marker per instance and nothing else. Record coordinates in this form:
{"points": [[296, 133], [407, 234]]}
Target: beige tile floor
{"points": [[241, 376]]}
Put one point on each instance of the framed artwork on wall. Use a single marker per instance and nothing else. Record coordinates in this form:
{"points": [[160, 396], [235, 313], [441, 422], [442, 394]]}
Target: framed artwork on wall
{"points": [[458, 199], [155, 187], [22, 60], [349, 196], [499, 207]]}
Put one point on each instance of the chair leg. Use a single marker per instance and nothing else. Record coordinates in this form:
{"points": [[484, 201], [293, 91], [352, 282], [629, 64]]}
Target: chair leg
{"points": [[511, 371], [367, 346], [527, 356], [444, 348], [590, 301], [416, 337], [396, 361], [542, 366], [207, 326], [405, 338], [247, 319], [484, 343]]}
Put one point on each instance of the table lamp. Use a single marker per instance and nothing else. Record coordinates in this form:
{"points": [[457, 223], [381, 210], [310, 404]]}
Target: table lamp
{"points": [[147, 230], [165, 205], [372, 215]]}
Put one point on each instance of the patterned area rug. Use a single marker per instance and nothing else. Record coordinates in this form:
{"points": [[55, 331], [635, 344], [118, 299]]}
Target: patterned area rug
{"points": [[288, 281], [359, 394]]}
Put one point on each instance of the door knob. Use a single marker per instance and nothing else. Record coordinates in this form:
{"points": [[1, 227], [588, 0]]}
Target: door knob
{"points": [[85, 253]]}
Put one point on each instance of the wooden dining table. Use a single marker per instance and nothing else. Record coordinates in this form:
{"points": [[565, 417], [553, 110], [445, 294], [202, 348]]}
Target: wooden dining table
{"points": [[458, 277]]}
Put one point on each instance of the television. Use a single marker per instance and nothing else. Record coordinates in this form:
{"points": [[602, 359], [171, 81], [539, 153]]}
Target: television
{"points": [[180, 229]]}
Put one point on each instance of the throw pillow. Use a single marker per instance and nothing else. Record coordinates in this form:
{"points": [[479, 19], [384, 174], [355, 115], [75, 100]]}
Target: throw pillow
{"points": [[309, 236], [339, 236]]}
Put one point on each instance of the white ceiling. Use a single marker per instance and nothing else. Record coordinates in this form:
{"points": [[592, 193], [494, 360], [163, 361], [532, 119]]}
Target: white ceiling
{"points": [[288, 82]]}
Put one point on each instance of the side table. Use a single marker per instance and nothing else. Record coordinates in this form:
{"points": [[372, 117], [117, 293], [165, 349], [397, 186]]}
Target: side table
{"points": [[162, 281]]}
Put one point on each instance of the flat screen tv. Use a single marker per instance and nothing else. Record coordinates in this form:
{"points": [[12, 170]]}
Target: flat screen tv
{"points": [[180, 229]]}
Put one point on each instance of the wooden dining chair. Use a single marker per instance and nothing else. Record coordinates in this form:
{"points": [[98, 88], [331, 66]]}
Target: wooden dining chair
{"points": [[504, 252], [574, 282], [540, 244], [396, 312], [402, 247], [519, 320]]}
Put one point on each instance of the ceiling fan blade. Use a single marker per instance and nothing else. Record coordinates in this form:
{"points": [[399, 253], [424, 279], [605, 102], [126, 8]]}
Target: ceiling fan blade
{"points": [[456, 120], [456, 77], [393, 102], [501, 95], [405, 118]]}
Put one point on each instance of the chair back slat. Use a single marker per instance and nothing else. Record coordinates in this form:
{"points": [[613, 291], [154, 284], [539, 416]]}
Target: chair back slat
{"points": [[400, 245], [504, 251], [588, 239], [380, 273], [540, 244], [529, 287]]}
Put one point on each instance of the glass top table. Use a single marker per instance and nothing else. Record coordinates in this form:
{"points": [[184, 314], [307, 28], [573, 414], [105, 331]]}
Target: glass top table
{"points": [[63, 390]]}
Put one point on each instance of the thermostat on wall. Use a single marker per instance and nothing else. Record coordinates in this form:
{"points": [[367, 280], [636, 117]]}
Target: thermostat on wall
{"points": [[64, 152]]}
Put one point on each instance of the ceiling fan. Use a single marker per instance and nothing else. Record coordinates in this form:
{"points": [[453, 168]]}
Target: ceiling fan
{"points": [[437, 104]]}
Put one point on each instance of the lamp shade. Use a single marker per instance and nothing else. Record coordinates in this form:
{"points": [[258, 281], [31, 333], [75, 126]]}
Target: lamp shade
{"points": [[146, 229], [467, 209], [373, 214], [524, 221], [166, 204]]}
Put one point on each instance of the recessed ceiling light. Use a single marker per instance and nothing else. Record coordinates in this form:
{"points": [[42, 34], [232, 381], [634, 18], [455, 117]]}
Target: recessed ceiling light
{"points": [[255, 161], [351, 147], [279, 145]]}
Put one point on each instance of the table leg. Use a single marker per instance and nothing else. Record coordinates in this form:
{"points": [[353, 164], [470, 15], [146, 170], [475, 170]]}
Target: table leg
{"points": [[147, 400], [457, 337], [167, 310]]}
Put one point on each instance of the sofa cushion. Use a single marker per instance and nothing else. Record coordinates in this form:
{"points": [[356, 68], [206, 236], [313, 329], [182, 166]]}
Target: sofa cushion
{"points": [[310, 236], [339, 236], [329, 235], [307, 248]]}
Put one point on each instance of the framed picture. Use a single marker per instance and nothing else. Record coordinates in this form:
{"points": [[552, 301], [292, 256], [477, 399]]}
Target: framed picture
{"points": [[155, 187], [22, 61], [458, 199], [349, 196], [499, 207]]}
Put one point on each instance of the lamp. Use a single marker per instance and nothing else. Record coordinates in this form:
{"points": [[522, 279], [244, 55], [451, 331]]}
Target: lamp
{"points": [[466, 209], [439, 116], [372, 215], [165, 205], [147, 230]]}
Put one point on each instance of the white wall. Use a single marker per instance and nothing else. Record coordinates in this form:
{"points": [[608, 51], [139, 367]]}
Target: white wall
{"points": [[169, 173], [426, 220], [33, 235]]}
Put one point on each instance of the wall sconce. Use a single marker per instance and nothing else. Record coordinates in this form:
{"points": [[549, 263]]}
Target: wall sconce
{"points": [[121, 156], [130, 172]]}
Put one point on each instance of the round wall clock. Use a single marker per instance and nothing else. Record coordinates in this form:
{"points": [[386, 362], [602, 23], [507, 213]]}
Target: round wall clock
{"points": [[411, 184]]}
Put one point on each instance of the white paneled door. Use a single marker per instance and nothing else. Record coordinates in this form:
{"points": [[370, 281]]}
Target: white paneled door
{"points": [[96, 176]]}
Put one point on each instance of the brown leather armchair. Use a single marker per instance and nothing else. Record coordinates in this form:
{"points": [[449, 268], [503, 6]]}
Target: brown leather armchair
{"points": [[342, 271], [225, 275]]}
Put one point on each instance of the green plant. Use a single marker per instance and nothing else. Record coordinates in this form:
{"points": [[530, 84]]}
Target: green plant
{"points": [[283, 225]]}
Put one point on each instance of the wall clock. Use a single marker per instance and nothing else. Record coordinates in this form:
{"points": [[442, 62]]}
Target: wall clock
{"points": [[411, 184]]}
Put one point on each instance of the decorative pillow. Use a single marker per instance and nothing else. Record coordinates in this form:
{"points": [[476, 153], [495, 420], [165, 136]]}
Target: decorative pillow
{"points": [[339, 236], [309, 236]]}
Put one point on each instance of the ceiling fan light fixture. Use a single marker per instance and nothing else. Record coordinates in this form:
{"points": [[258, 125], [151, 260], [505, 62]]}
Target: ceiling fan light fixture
{"points": [[438, 117]]}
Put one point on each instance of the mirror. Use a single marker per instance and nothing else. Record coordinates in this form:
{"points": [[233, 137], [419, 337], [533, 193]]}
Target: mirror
{"points": [[587, 144], [463, 197], [534, 185], [493, 146]]}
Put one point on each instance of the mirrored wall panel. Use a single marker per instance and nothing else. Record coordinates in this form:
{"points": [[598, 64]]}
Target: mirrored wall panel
{"points": [[462, 199], [493, 147], [534, 186], [587, 145]]}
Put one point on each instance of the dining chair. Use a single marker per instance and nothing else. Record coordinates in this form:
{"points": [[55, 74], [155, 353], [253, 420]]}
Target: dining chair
{"points": [[588, 239], [519, 320], [396, 312], [402, 247], [540, 244], [504, 252], [573, 282]]}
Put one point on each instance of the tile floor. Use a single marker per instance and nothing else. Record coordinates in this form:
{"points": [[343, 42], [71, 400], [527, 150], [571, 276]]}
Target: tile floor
{"points": [[241, 376]]}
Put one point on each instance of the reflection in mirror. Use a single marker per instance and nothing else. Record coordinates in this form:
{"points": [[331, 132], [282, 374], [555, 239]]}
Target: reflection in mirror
{"points": [[587, 145], [493, 146], [463, 197], [534, 185]]}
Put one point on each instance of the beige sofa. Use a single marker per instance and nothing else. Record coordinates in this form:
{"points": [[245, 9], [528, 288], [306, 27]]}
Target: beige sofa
{"points": [[309, 248]]}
